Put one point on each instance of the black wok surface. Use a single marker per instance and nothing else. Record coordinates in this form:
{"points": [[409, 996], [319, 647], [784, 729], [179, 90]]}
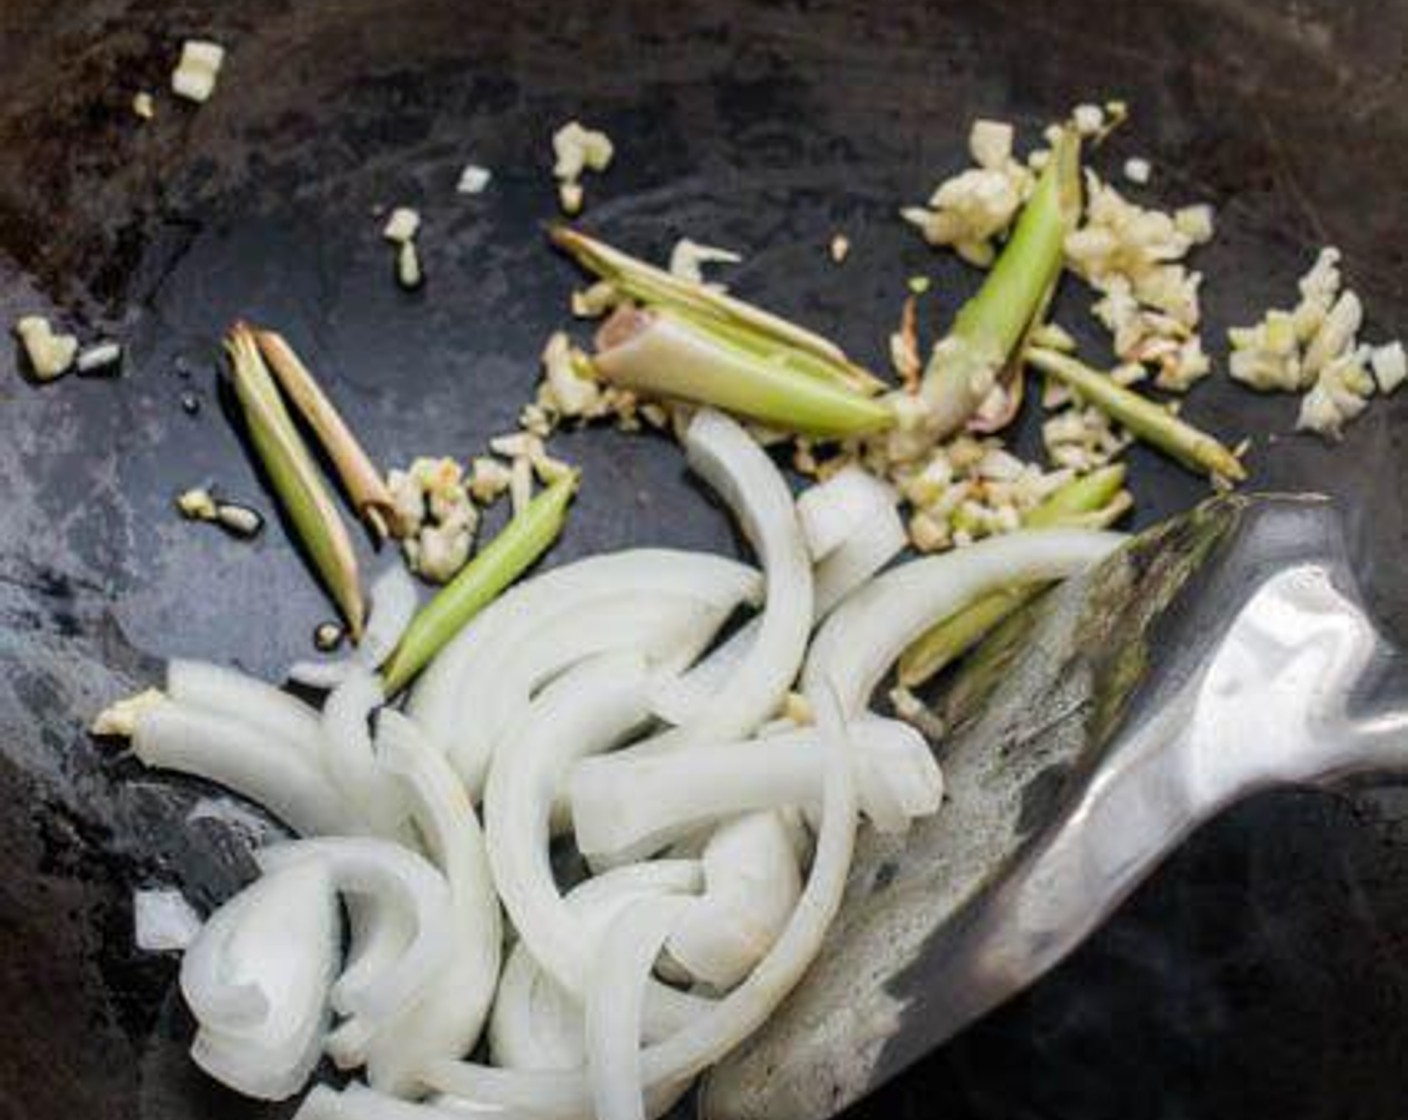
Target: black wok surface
{"points": [[1262, 971]]}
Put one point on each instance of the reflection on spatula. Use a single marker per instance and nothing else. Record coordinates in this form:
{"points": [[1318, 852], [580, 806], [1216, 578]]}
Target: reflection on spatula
{"points": [[1220, 654]]}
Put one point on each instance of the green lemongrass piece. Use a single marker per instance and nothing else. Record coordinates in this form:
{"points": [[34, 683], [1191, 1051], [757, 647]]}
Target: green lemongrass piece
{"points": [[360, 477], [1092, 501], [659, 353], [297, 481], [966, 365], [521, 542], [1145, 418], [750, 327]]}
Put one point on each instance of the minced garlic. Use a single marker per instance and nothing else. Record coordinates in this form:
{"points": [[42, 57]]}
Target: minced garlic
{"points": [[50, 355], [402, 225], [120, 718], [575, 150], [197, 504], [196, 72], [839, 248], [687, 259]]}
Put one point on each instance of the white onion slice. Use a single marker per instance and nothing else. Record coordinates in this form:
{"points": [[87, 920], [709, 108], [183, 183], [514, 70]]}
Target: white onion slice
{"points": [[348, 756], [873, 545], [162, 920], [740, 472], [357, 1102], [616, 1001], [564, 1095], [381, 930], [834, 511], [633, 802], [445, 697], [751, 884], [267, 770], [536, 1023], [447, 1019], [864, 636], [669, 631], [394, 599], [228, 692], [257, 981], [393, 875]]}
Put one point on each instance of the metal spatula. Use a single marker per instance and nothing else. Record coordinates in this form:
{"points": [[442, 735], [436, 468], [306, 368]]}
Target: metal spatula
{"points": [[1220, 654]]}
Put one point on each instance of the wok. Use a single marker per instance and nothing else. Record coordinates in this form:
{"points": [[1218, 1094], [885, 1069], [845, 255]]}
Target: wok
{"points": [[1259, 971]]}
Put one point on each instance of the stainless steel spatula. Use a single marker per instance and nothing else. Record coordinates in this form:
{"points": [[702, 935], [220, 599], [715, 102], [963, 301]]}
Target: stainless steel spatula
{"points": [[1220, 654]]}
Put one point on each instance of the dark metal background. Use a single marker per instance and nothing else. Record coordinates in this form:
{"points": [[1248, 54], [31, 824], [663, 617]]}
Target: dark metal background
{"points": [[1262, 971]]}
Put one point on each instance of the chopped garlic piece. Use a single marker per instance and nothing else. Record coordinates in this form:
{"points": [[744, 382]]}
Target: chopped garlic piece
{"points": [[840, 248], [918, 285], [474, 179], [1390, 366], [50, 355], [595, 301], [98, 356], [688, 257], [796, 709], [1138, 170], [143, 105], [197, 504], [1340, 393], [1088, 119], [488, 480], [408, 270], [569, 197], [407, 500], [565, 390], [990, 143], [1337, 333], [121, 717], [1194, 222], [199, 66], [577, 149], [402, 225], [443, 550]]}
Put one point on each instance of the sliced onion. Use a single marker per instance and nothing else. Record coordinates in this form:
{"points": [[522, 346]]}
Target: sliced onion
{"points": [[751, 885], [228, 692], [834, 511], [676, 697], [564, 1095], [393, 875], [444, 699], [635, 803], [257, 981], [669, 631], [357, 1102], [446, 1021], [267, 770], [873, 545], [740, 472], [326, 675], [616, 1001], [348, 756], [162, 920], [864, 636], [394, 599], [382, 930], [536, 1023]]}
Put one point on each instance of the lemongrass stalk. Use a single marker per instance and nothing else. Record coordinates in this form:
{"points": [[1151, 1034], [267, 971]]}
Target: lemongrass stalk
{"points": [[1093, 501], [1143, 417], [657, 352], [522, 541], [297, 482], [965, 366], [363, 482], [747, 326]]}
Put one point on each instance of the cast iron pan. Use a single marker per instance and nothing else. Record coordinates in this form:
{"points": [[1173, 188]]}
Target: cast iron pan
{"points": [[1261, 972]]}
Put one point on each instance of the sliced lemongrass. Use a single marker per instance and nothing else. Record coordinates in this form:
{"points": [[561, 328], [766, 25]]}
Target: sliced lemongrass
{"points": [[364, 484], [765, 331], [657, 352], [497, 565], [1093, 501], [295, 476], [1147, 420], [966, 365]]}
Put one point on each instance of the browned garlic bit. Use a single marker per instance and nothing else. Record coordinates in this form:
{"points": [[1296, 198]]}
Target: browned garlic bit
{"points": [[50, 355], [577, 150], [196, 72]]}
